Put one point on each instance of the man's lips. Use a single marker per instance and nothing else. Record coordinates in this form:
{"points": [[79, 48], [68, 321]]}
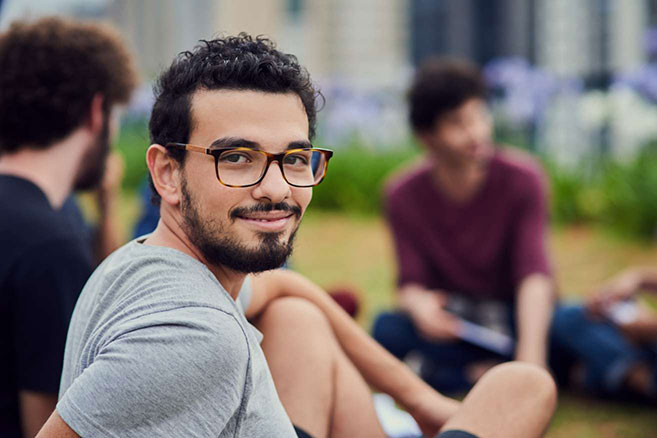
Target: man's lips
{"points": [[266, 216], [273, 218], [271, 221], [266, 211]]}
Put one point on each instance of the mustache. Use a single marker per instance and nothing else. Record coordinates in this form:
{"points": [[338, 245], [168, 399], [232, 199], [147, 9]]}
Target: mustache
{"points": [[265, 207]]}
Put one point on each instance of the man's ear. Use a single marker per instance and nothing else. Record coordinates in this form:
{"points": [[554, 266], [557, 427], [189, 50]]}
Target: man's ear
{"points": [[165, 172], [96, 114]]}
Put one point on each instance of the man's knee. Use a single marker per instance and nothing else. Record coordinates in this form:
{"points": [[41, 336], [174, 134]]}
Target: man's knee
{"points": [[524, 383], [568, 321], [292, 314]]}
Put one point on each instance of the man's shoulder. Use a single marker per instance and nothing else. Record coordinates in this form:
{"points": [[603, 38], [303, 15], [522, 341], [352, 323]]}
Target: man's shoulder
{"points": [[521, 171], [142, 278], [35, 239], [519, 163], [407, 180], [27, 217]]}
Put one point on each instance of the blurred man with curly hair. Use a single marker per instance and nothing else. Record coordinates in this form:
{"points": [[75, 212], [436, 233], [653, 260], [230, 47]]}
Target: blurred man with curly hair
{"points": [[60, 84]]}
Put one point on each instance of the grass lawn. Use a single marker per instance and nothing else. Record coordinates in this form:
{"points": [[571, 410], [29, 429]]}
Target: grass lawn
{"points": [[336, 250]]}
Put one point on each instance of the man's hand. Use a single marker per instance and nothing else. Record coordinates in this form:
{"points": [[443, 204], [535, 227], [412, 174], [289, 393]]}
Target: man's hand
{"points": [[431, 411], [621, 287], [426, 308]]}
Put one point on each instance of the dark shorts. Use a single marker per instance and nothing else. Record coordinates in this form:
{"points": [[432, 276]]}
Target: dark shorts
{"points": [[456, 434], [301, 433], [447, 434]]}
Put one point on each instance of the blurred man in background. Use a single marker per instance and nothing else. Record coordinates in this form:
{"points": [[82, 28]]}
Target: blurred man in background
{"points": [[469, 225], [60, 85]]}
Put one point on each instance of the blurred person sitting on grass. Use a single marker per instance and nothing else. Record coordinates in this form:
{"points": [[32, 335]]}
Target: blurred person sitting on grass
{"points": [[613, 338], [60, 84], [174, 336], [469, 227]]}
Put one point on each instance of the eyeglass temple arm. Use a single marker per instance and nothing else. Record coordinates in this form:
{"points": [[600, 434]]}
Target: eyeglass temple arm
{"points": [[191, 147]]}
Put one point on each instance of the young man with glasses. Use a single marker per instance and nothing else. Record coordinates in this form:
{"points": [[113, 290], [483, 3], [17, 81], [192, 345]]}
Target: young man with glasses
{"points": [[161, 343]]}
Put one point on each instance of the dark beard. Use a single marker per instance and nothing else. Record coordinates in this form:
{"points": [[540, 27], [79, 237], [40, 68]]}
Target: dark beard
{"points": [[222, 250], [92, 166]]}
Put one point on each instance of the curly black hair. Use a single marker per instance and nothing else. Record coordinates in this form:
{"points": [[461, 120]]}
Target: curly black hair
{"points": [[442, 85], [50, 71], [239, 62]]}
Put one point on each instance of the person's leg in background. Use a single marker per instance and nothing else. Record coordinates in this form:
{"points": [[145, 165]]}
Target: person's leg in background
{"points": [[611, 364], [450, 367]]}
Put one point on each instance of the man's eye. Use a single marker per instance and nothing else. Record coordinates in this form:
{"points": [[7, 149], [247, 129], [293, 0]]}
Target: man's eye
{"points": [[235, 158], [296, 160]]}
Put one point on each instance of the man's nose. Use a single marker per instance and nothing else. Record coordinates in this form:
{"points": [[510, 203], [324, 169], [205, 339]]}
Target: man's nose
{"points": [[273, 185]]}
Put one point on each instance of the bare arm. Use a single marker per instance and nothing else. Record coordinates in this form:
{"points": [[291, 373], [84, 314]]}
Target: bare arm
{"points": [[623, 286], [378, 367], [108, 234], [55, 427], [35, 408], [647, 279], [534, 308]]}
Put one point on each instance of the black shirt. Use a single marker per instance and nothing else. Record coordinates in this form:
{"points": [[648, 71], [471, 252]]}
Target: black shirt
{"points": [[44, 263]]}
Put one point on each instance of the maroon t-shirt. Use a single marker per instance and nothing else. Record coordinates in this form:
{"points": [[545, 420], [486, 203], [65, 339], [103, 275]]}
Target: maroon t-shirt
{"points": [[482, 248]]}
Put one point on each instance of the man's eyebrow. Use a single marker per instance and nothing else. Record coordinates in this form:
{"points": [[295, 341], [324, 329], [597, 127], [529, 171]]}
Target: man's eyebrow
{"points": [[234, 142], [301, 144]]}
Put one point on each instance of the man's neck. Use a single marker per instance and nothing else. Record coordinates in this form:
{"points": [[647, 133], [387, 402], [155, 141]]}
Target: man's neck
{"points": [[53, 169], [459, 183], [169, 233]]}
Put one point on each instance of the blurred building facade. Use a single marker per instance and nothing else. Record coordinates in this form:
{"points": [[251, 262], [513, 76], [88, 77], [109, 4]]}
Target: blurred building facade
{"points": [[356, 48], [587, 37], [585, 43], [363, 43]]}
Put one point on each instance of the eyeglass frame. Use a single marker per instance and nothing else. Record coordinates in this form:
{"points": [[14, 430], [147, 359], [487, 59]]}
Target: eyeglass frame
{"points": [[216, 152]]}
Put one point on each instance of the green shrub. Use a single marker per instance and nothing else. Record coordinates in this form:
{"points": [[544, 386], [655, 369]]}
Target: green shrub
{"points": [[576, 194], [621, 196], [631, 195], [132, 144], [356, 176]]}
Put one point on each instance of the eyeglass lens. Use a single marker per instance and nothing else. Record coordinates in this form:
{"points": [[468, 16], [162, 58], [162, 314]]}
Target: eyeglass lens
{"points": [[244, 167]]}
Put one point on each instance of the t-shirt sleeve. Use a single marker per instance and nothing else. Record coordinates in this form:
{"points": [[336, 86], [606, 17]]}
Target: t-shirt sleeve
{"points": [[411, 262], [46, 284], [529, 251], [179, 372]]}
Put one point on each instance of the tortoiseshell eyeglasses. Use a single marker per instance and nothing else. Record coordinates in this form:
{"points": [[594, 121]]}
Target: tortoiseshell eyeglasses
{"points": [[245, 167]]}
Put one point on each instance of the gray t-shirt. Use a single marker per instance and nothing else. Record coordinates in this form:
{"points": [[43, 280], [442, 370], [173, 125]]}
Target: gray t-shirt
{"points": [[158, 348]]}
